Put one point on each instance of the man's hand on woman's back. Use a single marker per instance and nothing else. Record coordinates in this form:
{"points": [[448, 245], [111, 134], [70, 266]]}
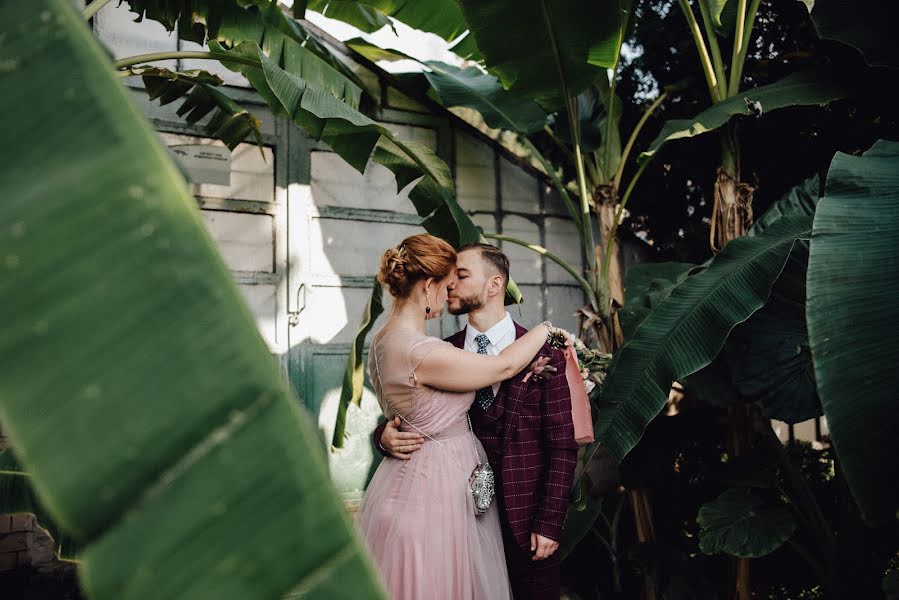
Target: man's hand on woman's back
{"points": [[399, 444]]}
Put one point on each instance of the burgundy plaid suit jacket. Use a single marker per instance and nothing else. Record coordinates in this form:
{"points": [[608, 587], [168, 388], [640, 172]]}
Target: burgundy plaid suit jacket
{"points": [[529, 438]]}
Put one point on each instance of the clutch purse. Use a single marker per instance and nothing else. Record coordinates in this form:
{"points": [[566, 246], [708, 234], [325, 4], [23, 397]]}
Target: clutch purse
{"points": [[482, 488]]}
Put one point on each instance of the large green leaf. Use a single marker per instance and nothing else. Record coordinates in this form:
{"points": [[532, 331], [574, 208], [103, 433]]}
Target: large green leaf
{"points": [[738, 523], [609, 153], [232, 22], [853, 284], [864, 24], [230, 122], [472, 88], [768, 356], [354, 374], [688, 328], [349, 132], [547, 50], [469, 87], [441, 17], [817, 86], [645, 286], [17, 496], [799, 200], [723, 14], [592, 114], [134, 384], [358, 14], [766, 359]]}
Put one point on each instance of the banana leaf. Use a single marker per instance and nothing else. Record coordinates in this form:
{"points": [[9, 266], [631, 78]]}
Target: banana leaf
{"points": [[230, 122], [232, 22], [134, 385], [354, 374], [472, 88], [816, 86], [592, 124], [349, 132], [543, 50], [469, 87], [645, 286], [441, 17], [688, 328], [358, 14], [852, 315], [863, 24], [723, 14], [768, 357]]}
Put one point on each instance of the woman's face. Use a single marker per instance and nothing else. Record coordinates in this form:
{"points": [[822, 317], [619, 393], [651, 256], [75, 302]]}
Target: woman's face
{"points": [[438, 295]]}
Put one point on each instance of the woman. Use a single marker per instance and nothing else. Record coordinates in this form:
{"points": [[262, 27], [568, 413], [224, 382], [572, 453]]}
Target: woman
{"points": [[418, 515]]}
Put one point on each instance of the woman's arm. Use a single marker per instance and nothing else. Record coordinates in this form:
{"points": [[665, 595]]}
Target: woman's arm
{"points": [[449, 368]]}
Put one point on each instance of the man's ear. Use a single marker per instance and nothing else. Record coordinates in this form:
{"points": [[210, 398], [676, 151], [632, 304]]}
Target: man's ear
{"points": [[496, 285]]}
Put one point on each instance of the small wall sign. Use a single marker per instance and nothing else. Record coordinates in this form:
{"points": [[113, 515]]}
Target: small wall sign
{"points": [[203, 163]]}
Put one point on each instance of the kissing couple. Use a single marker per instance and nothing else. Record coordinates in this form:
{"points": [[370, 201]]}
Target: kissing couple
{"points": [[471, 500]]}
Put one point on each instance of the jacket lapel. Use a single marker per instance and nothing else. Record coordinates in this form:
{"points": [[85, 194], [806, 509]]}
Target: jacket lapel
{"points": [[513, 392], [457, 339]]}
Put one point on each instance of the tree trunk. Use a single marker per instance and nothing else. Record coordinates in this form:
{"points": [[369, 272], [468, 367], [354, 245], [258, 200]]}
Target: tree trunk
{"points": [[732, 211], [610, 285], [739, 439]]}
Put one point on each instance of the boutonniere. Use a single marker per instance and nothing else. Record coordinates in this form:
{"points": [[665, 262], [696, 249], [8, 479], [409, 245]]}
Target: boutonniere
{"points": [[541, 368]]}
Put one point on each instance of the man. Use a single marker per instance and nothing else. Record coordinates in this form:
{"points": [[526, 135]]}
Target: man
{"points": [[524, 425]]}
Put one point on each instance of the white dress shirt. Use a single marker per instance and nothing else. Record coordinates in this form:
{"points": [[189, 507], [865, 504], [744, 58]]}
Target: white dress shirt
{"points": [[500, 335]]}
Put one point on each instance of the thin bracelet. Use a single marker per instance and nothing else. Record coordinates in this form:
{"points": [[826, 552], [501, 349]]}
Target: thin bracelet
{"points": [[549, 326]]}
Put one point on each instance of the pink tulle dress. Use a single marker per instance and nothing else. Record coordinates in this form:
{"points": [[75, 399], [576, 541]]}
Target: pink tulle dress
{"points": [[417, 515]]}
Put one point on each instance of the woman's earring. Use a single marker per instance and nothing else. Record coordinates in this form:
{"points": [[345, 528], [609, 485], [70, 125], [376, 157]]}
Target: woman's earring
{"points": [[427, 315]]}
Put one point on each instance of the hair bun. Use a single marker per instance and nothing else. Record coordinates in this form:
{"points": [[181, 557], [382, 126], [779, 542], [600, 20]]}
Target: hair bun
{"points": [[418, 257]]}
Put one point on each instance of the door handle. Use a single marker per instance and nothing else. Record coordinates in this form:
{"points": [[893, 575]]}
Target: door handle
{"points": [[294, 315]]}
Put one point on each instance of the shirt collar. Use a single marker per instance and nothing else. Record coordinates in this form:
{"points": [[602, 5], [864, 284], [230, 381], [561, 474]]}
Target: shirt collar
{"points": [[495, 334]]}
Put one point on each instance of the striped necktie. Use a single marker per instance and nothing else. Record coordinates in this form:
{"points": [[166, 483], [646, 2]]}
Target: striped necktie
{"points": [[484, 396]]}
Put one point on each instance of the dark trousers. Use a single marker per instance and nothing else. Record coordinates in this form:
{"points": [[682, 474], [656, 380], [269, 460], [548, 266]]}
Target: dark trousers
{"points": [[530, 579]]}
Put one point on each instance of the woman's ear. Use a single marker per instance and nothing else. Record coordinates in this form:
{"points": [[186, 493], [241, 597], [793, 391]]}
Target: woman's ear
{"points": [[428, 282]]}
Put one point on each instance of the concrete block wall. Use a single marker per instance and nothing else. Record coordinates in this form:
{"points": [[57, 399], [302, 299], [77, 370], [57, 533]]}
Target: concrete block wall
{"points": [[24, 544]]}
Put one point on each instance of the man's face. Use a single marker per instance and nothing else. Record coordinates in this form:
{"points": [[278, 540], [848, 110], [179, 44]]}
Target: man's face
{"points": [[468, 290]]}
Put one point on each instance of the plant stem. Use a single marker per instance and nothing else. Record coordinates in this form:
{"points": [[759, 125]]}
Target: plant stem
{"points": [[585, 206], [91, 9], [594, 171], [575, 135], [557, 182], [156, 56], [616, 181], [565, 149], [713, 46], [739, 42], [607, 139], [607, 259], [707, 68], [591, 294], [729, 155], [736, 71]]}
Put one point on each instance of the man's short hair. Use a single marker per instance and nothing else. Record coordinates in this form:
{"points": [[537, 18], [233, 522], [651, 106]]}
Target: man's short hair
{"points": [[493, 256]]}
